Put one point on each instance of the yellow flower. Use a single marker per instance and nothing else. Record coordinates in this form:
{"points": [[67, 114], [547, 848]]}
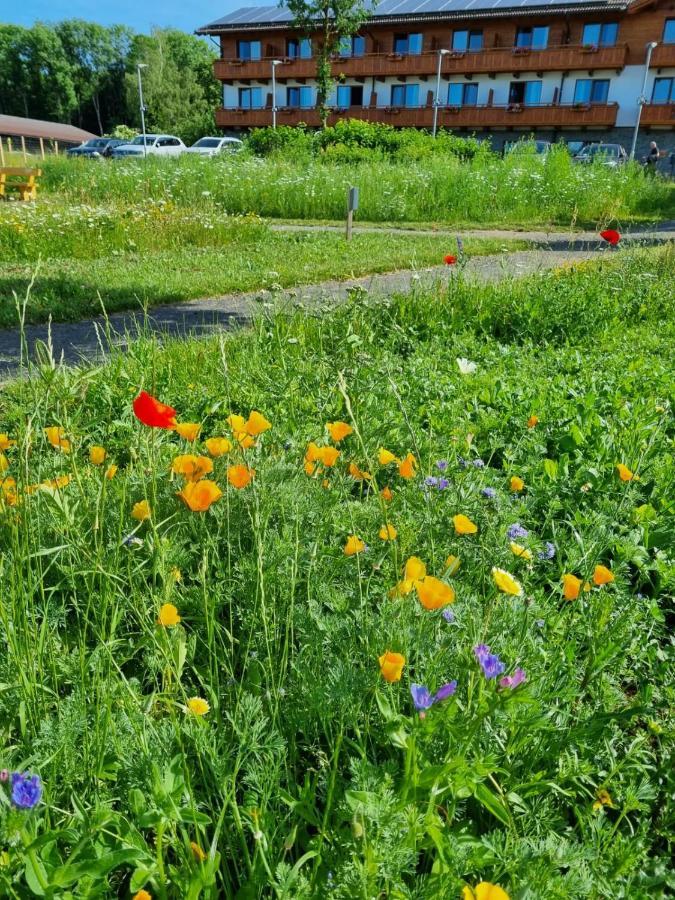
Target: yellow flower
{"points": [[4, 463], [97, 455], [256, 424], [516, 484], [198, 706], [506, 582], [197, 852], [111, 471], [176, 574], [168, 615], [189, 431], [354, 545], [571, 586], [240, 476], [192, 467], [485, 891], [464, 525], [358, 474], [434, 593], [386, 493], [53, 484], [199, 495], [519, 550], [8, 491], [391, 666], [452, 564], [407, 466], [309, 468], [624, 472], [328, 456], [141, 510], [532, 421], [142, 895], [5, 442], [602, 575], [384, 457], [604, 799], [218, 446], [56, 437], [339, 430], [387, 533]]}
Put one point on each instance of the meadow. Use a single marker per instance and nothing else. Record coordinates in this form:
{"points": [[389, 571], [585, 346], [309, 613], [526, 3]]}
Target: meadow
{"points": [[377, 606]]}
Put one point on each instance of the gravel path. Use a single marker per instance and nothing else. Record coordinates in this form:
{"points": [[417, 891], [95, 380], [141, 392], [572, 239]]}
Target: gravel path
{"points": [[87, 341]]}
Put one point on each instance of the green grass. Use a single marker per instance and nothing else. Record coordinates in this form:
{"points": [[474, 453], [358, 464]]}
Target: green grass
{"points": [[312, 777], [521, 190], [79, 257]]}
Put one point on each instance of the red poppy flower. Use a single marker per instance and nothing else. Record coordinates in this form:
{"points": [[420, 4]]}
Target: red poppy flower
{"points": [[449, 259], [153, 413], [612, 237]]}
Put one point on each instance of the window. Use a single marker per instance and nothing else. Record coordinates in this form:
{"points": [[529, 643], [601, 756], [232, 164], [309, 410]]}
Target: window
{"points": [[527, 93], [299, 49], [591, 90], [299, 97], [405, 94], [669, 32], [664, 90], [250, 98], [467, 40], [352, 46], [408, 43], [462, 94], [597, 35], [532, 38], [349, 95], [248, 49]]}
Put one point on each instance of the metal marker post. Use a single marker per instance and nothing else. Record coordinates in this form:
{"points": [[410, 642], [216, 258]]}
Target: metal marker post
{"points": [[275, 63], [140, 66], [641, 99], [352, 206], [437, 99]]}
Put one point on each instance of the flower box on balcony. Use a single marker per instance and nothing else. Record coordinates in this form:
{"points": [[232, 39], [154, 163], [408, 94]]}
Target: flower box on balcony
{"points": [[590, 48], [394, 56], [582, 107], [514, 108], [237, 62], [453, 110], [457, 54], [392, 110], [521, 51]]}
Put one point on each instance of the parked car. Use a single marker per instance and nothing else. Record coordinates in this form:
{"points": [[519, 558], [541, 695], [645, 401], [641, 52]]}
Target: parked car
{"points": [[526, 146], [96, 147], [211, 146], [155, 145], [609, 154]]}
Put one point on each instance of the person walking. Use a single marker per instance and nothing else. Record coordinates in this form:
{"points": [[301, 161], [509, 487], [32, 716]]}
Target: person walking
{"points": [[653, 157]]}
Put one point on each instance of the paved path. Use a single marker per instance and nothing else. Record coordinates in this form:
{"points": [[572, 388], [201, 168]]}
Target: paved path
{"points": [[87, 341]]}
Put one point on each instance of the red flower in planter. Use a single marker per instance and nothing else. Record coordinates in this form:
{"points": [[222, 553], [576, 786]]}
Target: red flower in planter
{"points": [[151, 412], [611, 236], [450, 260]]}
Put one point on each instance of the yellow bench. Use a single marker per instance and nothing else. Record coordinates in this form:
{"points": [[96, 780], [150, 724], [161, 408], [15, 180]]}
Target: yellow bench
{"points": [[20, 180]]}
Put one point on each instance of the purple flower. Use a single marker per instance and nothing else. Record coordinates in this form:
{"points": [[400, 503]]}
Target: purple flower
{"points": [[448, 614], [431, 481], [443, 484], [489, 493], [461, 462], [540, 623], [512, 681], [478, 464], [26, 790], [421, 696], [445, 691], [442, 465], [516, 531], [490, 663], [548, 552], [481, 650]]}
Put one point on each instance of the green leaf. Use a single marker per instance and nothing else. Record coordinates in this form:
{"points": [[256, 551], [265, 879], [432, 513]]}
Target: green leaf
{"points": [[551, 468], [491, 802]]}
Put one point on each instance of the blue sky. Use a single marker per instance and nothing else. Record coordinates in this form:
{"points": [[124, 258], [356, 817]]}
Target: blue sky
{"points": [[140, 15]]}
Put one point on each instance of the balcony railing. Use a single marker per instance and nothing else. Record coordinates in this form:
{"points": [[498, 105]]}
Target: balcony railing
{"points": [[663, 55], [513, 115], [496, 59], [658, 114]]}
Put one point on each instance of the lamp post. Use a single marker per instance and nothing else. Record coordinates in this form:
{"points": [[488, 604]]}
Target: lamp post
{"points": [[140, 66], [441, 54], [275, 63], [642, 99]]}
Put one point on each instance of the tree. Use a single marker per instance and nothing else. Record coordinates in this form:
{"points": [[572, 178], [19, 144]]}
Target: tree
{"points": [[331, 21]]}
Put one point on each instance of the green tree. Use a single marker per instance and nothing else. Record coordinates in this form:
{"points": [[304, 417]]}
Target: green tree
{"points": [[331, 21]]}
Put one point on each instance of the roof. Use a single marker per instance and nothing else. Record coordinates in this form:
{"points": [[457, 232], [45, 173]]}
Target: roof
{"points": [[392, 11], [16, 126]]}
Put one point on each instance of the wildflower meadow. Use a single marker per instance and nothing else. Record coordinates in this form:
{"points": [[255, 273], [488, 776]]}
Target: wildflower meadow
{"points": [[360, 603]]}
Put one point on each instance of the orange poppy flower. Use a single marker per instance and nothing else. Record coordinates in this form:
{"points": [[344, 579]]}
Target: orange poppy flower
{"points": [[413, 572], [571, 586], [189, 431], [240, 476], [97, 455], [327, 455], [56, 437], [485, 891], [384, 457], [339, 431], [602, 575], [256, 424], [358, 474], [192, 467], [218, 446], [354, 545], [434, 593], [141, 510], [386, 493], [532, 421], [407, 466], [624, 472], [111, 471], [5, 442], [309, 467], [168, 616], [516, 484], [152, 413], [387, 533], [199, 495], [464, 525], [391, 666]]}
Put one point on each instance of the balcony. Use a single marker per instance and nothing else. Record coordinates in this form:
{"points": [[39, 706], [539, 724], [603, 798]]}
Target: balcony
{"points": [[516, 116], [379, 65], [658, 114], [663, 55]]}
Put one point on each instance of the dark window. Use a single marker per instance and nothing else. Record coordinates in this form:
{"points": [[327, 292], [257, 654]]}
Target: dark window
{"points": [[467, 40], [248, 49], [527, 93], [462, 94], [349, 95], [408, 43], [405, 95], [669, 31], [299, 97], [664, 90], [250, 98], [597, 35], [299, 49], [532, 38], [591, 90]]}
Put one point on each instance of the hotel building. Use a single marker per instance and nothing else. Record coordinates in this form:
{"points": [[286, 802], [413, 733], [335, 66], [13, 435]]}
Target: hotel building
{"points": [[572, 69]]}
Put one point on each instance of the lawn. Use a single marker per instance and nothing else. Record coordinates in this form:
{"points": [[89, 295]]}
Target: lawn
{"points": [[289, 693], [78, 257]]}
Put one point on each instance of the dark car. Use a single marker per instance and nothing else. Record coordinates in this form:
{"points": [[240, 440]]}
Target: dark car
{"points": [[96, 147], [611, 155]]}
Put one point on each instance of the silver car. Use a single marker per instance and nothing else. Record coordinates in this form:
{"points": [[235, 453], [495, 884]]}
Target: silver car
{"points": [[211, 146], [608, 154], [155, 145]]}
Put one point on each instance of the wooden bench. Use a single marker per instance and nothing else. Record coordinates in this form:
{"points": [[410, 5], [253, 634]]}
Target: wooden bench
{"points": [[19, 180]]}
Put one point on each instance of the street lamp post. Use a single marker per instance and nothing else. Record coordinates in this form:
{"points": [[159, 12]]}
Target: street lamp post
{"points": [[275, 63], [642, 99], [140, 66], [441, 54]]}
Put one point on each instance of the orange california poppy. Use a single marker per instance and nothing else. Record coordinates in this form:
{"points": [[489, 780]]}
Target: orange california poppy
{"points": [[256, 424], [571, 586], [240, 476], [602, 575], [199, 495], [354, 545], [189, 431], [532, 421], [56, 437], [434, 593], [516, 484], [407, 466], [391, 666], [339, 431], [624, 472], [218, 446], [464, 525], [192, 467], [97, 455]]}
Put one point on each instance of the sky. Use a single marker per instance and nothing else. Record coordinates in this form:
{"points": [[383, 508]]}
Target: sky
{"points": [[141, 15]]}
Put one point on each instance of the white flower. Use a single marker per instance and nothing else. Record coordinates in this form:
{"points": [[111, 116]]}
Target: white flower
{"points": [[466, 367]]}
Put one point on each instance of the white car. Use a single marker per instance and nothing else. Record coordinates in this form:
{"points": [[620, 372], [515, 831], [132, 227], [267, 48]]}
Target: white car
{"points": [[155, 145], [211, 146]]}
